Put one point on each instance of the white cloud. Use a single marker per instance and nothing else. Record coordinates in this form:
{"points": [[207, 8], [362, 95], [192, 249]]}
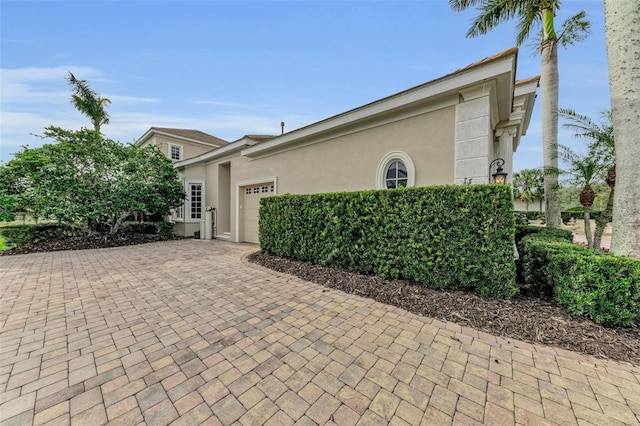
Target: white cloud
{"points": [[130, 99]]}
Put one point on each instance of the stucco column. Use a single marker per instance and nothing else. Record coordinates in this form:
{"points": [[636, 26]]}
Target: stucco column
{"points": [[504, 149], [473, 135]]}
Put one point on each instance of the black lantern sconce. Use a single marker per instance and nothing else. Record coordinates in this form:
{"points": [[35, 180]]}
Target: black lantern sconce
{"points": [[499, 177]]}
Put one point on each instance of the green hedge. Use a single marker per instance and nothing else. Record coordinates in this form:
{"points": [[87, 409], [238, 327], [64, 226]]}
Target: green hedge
{"points": [[578, 214], [567, 215], [602, 287], [548, 233], [531, 215], [443, 236], [18, 235]]}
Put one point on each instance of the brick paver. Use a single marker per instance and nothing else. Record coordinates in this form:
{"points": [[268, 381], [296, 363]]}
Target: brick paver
{"points": [[188, 332]]}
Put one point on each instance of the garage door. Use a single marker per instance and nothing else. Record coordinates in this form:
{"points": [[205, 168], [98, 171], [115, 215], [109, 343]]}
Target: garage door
{"points": [[249, 207]]}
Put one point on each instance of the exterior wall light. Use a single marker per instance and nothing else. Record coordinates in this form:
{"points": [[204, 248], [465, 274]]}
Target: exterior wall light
{"points": [[499, 177]]}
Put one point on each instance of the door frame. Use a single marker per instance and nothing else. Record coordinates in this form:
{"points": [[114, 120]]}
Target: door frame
{"points": [[271, 180]]}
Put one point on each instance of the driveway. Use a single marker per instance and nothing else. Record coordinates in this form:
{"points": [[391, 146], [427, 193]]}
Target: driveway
{"points": [[188, 332]]}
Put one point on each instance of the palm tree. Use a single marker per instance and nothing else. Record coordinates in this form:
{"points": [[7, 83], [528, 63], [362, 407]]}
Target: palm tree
{"points": [[528, 185], [532, 13], [622, 19], [584, 168], [89, 102], [602, 149]]}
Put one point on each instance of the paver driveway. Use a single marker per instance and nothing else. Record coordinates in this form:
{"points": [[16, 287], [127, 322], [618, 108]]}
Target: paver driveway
{"points": [[186, 332]]}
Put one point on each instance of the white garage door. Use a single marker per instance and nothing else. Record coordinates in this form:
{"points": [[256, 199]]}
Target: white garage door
{"points": [[250, 205]]}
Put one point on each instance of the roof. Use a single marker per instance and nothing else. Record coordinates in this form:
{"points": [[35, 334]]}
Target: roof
{"points": [[503, 63], [191, 135], [260, 138], [528, 80]]}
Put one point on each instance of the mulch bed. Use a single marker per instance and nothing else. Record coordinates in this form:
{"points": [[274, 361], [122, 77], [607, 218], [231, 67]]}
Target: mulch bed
{"points": [[527, 317], [88, 242]]}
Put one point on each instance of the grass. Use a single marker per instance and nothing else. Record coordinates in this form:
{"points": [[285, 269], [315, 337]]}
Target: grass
{"points": [[1, 243]]}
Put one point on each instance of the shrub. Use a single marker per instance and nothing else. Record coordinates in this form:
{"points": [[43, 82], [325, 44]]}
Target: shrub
{"points": [[530, 215], [444, 236], [165, 229], [602, 287], [18, 235], [577, 213], [521, 218], [139, 228], [547, 233]]}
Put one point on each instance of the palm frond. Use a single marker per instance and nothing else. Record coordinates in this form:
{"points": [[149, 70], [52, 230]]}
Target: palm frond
{"points": [[492, 13], [530, 15], [460, 5], [575, 29], [600, 134]]}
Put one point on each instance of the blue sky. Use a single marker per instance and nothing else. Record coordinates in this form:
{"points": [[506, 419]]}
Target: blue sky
{"points": [[235, 68]]}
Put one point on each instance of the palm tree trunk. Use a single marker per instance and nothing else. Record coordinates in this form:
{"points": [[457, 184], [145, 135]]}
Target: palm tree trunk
{"points": [[622, 20], [549, 80], [603, 220], [587, 226]]}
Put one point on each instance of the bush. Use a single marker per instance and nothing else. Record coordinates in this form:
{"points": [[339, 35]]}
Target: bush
{"points": [[521, 218], [165, 229], [602, 287], [139, 228], [442, 236], [19, 235], [543, 232], [531, 215], [577, 213]]}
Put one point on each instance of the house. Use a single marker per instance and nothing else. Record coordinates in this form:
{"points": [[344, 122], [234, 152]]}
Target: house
{"points": [[537, 205], [445, 131], [180, 144]]}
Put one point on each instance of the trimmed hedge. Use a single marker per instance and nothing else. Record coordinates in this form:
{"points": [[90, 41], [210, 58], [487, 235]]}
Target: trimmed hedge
{"points": [[456, 236], [602, 287], [578, 215], [547, 233], [18, 235], [567, 215], [530, 214]]}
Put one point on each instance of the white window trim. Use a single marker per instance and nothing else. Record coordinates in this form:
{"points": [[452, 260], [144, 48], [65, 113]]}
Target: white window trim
{"points": [[171, 145], [187, 205], [387, 160], [174, 214], [272, 180]]}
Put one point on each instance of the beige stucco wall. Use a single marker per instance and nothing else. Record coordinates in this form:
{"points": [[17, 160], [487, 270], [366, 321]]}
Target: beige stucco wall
{"points": [[344, 163], [350, 162], [189, 149]]}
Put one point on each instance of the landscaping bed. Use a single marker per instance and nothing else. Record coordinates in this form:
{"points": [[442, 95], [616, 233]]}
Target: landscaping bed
{"points": [[527, 317], [86, 242]]}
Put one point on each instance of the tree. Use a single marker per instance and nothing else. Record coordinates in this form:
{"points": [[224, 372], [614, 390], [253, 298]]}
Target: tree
{"points": [[585, 169], [94, 183], [89, 102], [531, 13], [601, 149], [622, 20], [528, 185]]}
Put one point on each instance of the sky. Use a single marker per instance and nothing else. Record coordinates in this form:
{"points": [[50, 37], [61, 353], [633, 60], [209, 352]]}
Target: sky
{"points": [[242, 67]]}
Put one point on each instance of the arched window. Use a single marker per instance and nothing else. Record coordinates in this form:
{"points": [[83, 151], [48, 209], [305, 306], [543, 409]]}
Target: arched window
{"points": [[396, 170], [396, 176]]}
